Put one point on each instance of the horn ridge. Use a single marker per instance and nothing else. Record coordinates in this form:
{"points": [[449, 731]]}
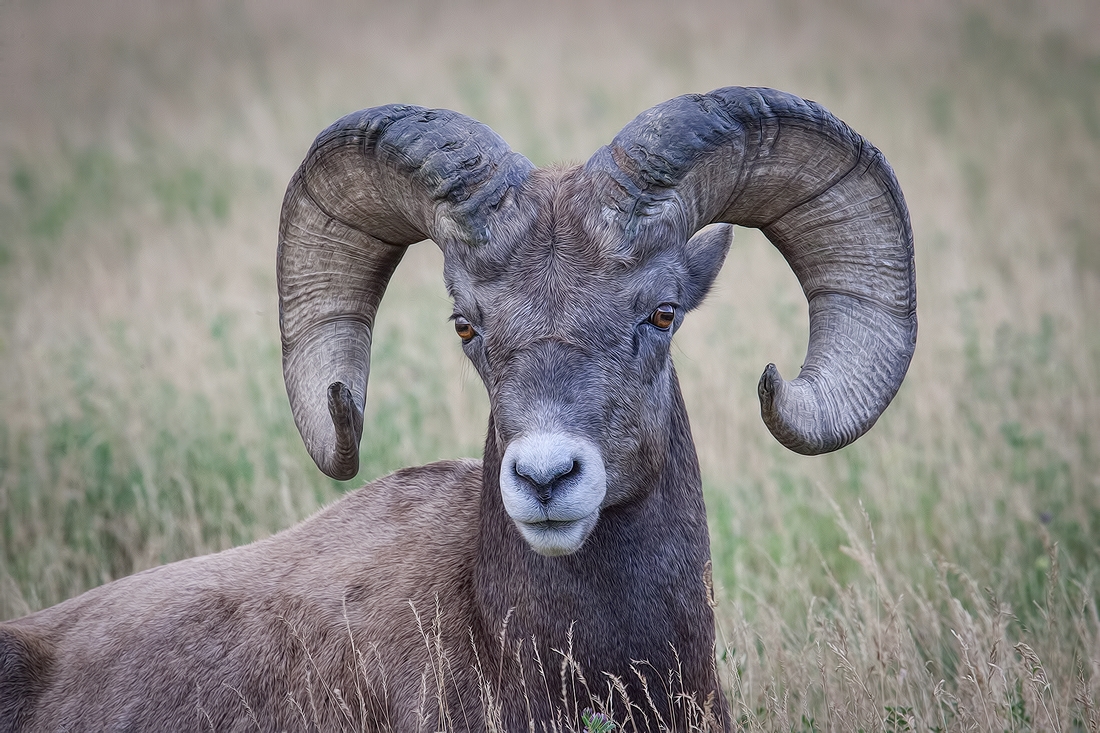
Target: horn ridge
{"points": [[829, 202], [373, 183]]}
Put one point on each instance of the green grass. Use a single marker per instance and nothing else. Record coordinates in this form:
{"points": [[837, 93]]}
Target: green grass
{"points": [[943, 573]]}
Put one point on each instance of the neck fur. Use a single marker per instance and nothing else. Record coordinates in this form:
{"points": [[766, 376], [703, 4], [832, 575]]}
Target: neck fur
{"points": [[631, 600]]}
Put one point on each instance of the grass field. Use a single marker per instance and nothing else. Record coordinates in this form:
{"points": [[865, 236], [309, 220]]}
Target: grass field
{"points": [[941, 574]]}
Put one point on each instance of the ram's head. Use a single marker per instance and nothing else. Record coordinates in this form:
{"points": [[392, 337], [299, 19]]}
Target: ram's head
{"points": [[568, 283]]}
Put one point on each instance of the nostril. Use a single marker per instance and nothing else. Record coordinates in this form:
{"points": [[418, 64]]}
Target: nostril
{"points": [[543, 477], [551, 477]]}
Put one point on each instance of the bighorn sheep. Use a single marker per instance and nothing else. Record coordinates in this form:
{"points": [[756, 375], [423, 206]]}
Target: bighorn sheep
{"points": [[583, 526]]}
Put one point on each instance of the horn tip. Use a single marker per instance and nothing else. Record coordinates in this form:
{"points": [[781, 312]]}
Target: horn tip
{"points": [[342, 463], [770, 383], [789, 412]]}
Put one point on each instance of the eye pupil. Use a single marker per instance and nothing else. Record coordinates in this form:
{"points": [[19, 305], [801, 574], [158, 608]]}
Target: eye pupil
{"points": [[463, 328], [664, 316]]}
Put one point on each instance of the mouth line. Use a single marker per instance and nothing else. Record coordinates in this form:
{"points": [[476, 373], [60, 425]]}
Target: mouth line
{"points": [[553, 537], [551, 523]]}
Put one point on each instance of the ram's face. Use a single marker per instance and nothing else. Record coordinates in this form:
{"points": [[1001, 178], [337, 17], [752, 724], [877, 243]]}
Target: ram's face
{"points": [[572, 338]]}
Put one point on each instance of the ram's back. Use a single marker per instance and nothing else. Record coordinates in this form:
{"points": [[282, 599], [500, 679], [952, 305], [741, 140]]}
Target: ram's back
{"points": [[262, 634]]}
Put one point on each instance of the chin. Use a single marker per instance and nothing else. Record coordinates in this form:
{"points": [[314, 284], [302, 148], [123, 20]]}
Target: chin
{"points": [[554, 539]]}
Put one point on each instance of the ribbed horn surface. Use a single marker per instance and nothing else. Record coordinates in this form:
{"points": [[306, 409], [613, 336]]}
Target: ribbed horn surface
{"points": [[829, 202], [373, 183]]}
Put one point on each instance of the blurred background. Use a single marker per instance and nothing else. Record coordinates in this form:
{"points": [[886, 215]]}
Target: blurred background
{"points": [[902, 582]]}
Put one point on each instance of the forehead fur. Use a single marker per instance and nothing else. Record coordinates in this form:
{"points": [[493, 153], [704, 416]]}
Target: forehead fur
{"points": [[566, 229]]}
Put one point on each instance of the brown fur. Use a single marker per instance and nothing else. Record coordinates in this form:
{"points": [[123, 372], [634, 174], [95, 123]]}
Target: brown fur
{"points": [[313, 628]]}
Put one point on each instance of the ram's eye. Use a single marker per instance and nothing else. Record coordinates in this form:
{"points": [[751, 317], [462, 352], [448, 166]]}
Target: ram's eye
{"points": [[463, 328], [664, 316]]}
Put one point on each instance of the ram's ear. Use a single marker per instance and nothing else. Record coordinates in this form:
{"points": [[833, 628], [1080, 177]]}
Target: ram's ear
{"points": [[706, 251]]}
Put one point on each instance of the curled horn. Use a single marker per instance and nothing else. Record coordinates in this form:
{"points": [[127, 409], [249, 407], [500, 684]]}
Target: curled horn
{"points": [[373, 183], [829, 202]]}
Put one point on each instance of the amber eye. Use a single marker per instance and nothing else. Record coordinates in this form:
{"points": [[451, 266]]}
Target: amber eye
{"points": [[463, 328], [663, 317]]}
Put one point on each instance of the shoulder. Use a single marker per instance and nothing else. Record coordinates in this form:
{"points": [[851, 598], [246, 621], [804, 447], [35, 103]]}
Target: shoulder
{"points": [[432, 478], [433, 504], [421, 491]]}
